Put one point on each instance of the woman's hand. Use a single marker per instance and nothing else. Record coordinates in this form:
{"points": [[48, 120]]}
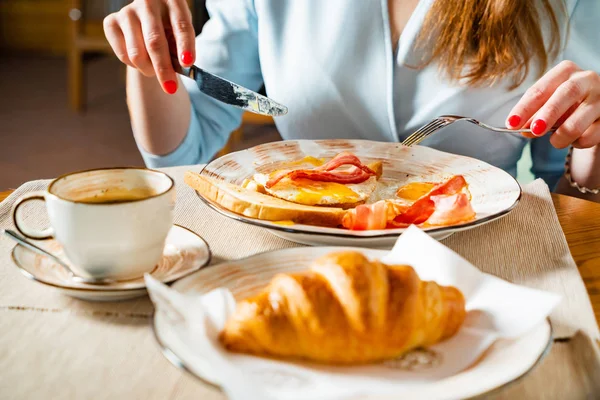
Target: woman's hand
{"points": [[565, 97], [140, 34]]}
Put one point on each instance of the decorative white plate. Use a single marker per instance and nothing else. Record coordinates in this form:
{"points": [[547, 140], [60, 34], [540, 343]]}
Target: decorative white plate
{"points": [[503, 363], [494, 191], [185, 252]]}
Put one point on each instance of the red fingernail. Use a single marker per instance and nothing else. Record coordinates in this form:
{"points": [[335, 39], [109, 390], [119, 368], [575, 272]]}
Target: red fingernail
{"points": [[186, 57], [170, 87], [538, 127], [514, 120]]}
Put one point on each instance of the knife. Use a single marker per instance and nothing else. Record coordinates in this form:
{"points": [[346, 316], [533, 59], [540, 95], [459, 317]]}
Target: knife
{"points": [[231, 93]]}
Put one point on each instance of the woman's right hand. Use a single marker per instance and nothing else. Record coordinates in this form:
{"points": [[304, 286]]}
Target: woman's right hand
{"points": [[140, 34]]}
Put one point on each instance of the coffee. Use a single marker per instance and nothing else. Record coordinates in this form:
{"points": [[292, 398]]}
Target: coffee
{"points": [[117, 195], [103, 230]]}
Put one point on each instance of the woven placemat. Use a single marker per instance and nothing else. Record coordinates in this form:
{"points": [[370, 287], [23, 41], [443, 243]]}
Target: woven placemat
{"points": [[77, 349], [526, 247]]}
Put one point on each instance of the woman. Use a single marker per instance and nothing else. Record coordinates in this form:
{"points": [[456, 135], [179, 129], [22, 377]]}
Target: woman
{"points": [[375, 69]]}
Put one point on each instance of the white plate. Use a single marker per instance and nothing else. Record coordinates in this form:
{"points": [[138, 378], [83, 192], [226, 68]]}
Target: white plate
{"points": [[185, 252], [503, 363], [494, 192]]}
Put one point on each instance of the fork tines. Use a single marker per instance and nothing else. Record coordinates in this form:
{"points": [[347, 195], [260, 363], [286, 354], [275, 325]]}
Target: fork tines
{"points": [[425, 131]]}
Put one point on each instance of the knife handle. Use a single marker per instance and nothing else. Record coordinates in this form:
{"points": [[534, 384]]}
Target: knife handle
{"points": [[175, 60], [191, 72], [173, 53]]}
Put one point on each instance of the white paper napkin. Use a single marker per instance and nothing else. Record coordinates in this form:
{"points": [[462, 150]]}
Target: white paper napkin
{"points": [[496, 309]]}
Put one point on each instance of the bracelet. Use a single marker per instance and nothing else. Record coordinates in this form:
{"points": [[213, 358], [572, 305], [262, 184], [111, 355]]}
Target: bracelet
{"points": [[572, 183]]}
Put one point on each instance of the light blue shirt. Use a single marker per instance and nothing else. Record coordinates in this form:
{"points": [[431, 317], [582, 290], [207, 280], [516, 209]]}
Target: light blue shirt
{"points": [[333, 65]]}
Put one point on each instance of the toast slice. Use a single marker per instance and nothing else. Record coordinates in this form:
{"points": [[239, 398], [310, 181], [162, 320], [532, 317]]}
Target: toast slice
{"points": [[253, 204]]}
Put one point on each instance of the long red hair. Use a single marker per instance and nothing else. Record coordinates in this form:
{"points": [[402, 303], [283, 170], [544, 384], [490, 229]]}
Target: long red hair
{"points": [[482, 41]]}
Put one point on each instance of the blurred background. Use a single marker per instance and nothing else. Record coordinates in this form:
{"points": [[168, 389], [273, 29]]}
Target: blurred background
{"points": [[62, 92], [62, 96]]}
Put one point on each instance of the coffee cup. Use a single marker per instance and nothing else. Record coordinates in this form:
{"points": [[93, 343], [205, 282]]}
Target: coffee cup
{"points": [[112, 223]]}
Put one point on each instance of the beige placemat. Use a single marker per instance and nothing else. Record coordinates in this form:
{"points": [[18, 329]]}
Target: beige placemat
{"points": [[75, 349], [526, 247]]}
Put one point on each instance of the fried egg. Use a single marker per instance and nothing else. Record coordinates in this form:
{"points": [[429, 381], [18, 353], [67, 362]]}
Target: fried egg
{"points": [[308, 192], [414, 190]]}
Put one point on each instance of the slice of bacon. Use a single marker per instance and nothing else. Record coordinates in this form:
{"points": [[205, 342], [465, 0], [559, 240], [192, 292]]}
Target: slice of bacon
{"points": [[451, 209], [445, 204], [279, 175], [353, 175], [345, 158], [373, 216], [423, 208], [366, 217], [325, 173]]}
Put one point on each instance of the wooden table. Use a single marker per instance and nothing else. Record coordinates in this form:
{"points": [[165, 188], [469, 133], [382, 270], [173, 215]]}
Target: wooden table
{"points": [[580, 221]]}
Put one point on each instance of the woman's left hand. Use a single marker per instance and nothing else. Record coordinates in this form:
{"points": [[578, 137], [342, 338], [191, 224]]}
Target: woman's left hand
{"points": [[566, 97]]}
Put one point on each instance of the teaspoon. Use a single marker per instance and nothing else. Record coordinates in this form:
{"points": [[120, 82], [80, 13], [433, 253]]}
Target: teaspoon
{"points": [[27, 244]]}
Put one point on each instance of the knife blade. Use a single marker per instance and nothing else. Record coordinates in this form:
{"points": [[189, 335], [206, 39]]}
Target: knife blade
{"points": [[231, 93]]}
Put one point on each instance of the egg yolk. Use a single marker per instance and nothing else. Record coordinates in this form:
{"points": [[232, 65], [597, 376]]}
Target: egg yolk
{"points": [[284, 223], [306, 160], [312, 192], [415, 190]]}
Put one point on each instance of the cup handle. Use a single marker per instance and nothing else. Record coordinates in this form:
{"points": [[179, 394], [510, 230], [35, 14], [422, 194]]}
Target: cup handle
{"points": [[36, 234]]}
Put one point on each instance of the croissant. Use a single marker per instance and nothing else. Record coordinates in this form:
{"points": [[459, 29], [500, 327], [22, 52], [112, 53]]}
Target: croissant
{"points": [[344, 310]]}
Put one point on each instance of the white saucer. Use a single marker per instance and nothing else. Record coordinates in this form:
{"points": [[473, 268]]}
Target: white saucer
{"points": [[185, 252]]}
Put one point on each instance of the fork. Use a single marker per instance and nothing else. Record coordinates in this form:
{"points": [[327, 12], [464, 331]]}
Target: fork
{"points": [[440, 122]]}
